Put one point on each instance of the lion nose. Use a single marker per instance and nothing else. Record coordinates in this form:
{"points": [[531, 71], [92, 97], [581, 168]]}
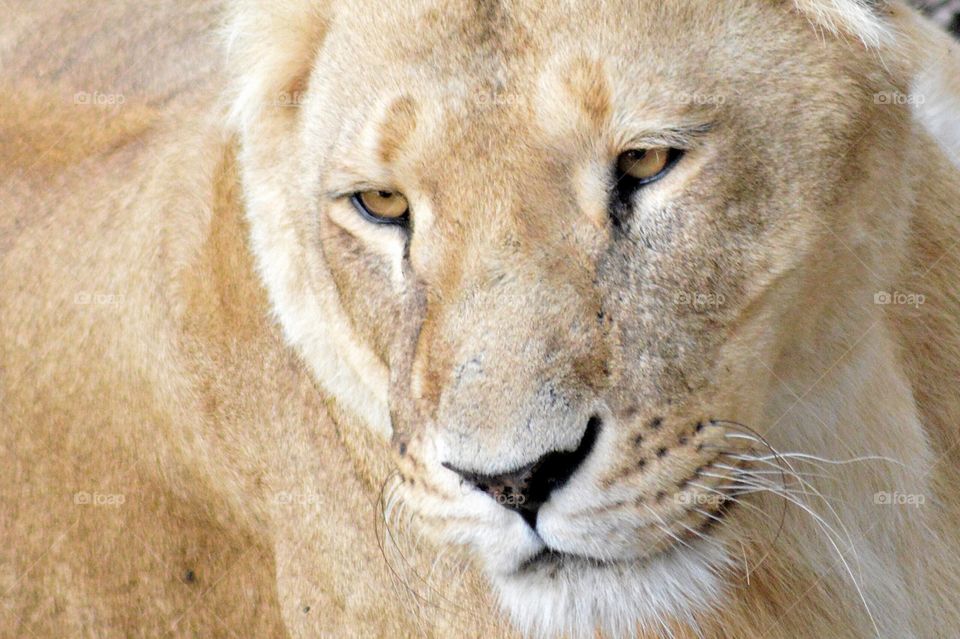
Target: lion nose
{"points": [[527, 488]]}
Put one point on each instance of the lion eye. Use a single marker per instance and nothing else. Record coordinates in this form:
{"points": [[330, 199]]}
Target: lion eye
{"points": [[644, 165], [382, 207]]}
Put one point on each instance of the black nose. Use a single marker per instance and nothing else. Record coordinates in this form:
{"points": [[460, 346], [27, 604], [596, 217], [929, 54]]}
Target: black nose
{"points": [[527, 488]]}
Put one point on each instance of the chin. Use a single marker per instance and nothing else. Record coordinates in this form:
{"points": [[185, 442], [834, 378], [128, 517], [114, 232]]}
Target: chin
{"points": [[551, 594]]}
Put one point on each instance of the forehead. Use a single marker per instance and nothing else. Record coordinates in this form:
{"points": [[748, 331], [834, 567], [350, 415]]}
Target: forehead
{"points": [[445, 33], [502, 49], [565, 65]]}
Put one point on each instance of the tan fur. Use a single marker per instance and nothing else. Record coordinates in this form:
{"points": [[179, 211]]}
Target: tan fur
{"points": [[224, 397]]}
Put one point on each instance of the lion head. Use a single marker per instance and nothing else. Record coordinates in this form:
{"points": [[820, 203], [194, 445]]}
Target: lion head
{"points": [[562, 253]]}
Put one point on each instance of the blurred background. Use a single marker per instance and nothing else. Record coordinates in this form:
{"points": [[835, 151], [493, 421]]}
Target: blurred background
{"points": [[945, 12]]}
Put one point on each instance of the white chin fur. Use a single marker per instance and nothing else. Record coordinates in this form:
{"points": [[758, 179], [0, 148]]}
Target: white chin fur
{"points": [[616, 599]]}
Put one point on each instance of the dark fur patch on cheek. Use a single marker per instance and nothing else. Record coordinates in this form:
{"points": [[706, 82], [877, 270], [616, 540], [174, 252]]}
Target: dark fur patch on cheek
{"points": [[427, 361], [414, 392]]}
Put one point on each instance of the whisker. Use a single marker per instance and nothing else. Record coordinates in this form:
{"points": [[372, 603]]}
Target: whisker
{"points": [[824, 460], [793, 472], [733, 499], [418, 597], [777, 471], [757, 438], [708, 514], [710, 540], [666, 529], [380, 541], [748, 478]]}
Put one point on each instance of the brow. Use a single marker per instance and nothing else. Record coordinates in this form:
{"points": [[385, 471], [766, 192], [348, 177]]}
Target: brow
{"points": [[678, 136]]}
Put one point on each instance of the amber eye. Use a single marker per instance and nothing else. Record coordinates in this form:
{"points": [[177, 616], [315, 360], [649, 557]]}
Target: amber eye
{"points": [[645, 165], [383, 207]]}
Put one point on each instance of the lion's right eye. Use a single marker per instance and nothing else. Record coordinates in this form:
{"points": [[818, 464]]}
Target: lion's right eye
{"points": [[642, 166], [382, 207]]}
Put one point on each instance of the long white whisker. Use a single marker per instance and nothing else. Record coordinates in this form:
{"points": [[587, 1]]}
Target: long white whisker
{"points": [[792, 471], [805, 484], [815, 458], [819, 520], [777, 470], [804, 487], [733, 499]]}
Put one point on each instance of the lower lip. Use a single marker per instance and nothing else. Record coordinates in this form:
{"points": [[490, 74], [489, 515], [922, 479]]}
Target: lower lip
{"points": [[547, 558], [554, 559], [542, 558]]}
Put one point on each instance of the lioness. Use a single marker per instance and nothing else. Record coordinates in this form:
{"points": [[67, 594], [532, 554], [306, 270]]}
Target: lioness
{"points": [[480, 318]]}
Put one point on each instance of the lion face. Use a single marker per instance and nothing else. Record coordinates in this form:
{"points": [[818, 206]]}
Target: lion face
{"points": [[573, 250]]}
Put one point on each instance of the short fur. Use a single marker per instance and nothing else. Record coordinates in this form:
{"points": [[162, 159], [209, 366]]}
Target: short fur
{"points": [[226, 398]]}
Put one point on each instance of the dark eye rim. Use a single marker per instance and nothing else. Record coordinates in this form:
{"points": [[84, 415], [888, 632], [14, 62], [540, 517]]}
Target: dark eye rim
{"points": [[367, 214], [626, 184]]}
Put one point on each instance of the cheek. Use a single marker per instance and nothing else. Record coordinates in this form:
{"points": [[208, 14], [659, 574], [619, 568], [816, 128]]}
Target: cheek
{"points": [[678, 285], [364, 284]]}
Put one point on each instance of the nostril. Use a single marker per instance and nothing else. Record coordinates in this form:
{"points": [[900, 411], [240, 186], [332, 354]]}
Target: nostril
{"points": [[527, 488], [553, 470]]}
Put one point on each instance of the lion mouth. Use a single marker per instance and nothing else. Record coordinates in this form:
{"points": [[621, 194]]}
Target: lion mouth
{"points": [[552, 561]]}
